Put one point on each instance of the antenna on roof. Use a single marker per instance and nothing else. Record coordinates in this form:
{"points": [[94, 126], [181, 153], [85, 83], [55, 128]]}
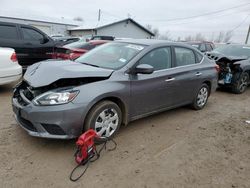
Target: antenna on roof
{"points": [[99, 15]]}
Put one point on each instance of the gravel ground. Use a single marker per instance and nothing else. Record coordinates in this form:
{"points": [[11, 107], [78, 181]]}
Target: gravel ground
{"points": [[177, 148]]}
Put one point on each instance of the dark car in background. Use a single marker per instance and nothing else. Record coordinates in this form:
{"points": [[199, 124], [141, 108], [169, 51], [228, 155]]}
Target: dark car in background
{"points": [[203, 46], [31, 44], [111, 85], [76, 49], [60, 41], [234, 62], [102, 37]]}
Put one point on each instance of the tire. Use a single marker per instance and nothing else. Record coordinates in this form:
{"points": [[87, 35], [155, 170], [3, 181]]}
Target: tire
{"points": [[240, 82], [201, 97], [100, 119]]}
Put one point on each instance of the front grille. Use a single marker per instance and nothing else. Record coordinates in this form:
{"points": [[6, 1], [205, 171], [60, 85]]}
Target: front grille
{"points": [[24, 94], [53, 129], [21, 101], [27, 124]]}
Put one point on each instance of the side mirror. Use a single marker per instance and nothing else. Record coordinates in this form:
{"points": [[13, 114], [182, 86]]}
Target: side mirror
{"points": [[44, 40], [144, 69]]}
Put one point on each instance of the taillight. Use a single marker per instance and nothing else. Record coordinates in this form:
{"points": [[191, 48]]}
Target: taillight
{"points": [[217, 68], [13, 57]]}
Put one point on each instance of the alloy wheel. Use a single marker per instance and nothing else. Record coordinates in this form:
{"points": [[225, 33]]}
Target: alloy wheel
{"points": [[243, 82], [107, 122], [202, 97]]}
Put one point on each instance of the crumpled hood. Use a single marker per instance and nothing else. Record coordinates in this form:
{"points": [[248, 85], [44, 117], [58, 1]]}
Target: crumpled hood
{"points": [[217, 56], [46, 72]]}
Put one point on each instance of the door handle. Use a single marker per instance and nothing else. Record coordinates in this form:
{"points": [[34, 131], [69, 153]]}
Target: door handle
{"points": [[198, 74], [169, 79]]}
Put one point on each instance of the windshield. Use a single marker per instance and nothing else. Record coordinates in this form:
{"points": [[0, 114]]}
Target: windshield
{"points": [[233, 50], [111, 55]]}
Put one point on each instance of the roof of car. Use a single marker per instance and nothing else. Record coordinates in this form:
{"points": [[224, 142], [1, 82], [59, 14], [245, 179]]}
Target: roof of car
{"points": [[150, 42], [198, 42], [98, 41]]}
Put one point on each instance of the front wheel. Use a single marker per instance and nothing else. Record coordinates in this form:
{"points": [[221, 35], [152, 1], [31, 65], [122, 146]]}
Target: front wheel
{"points": [[241, 83], [201, 98], [105, 118]]}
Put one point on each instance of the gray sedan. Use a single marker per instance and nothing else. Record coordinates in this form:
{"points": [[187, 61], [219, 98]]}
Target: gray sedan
{"points": [[111, 85]]}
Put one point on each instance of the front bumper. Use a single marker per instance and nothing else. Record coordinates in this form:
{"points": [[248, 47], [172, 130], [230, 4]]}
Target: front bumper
{"points": [[57, 122]]}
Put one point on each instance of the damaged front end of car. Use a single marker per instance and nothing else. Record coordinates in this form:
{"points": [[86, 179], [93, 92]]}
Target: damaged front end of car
{"points": [[60, 92], [231, 69], [45, 106]]}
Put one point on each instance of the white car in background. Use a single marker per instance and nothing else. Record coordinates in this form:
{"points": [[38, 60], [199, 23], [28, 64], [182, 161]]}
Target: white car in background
{"points": [[10, 70]]}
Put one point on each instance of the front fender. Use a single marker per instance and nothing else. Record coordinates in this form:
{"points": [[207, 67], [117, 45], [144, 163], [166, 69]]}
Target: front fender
{"points": [[244, 65], [92, 93]]}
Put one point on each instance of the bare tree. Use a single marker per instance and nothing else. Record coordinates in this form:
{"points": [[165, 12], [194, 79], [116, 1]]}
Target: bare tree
{"points": [[153, 30], [199, 37], [212, 37], [148, 27], [78, 18], [188, 38], [156, 32], [220, 37], [166, 36], [228, 36]]}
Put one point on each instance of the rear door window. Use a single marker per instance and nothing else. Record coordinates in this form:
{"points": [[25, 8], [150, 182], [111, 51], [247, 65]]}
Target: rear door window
{"points": [[184, 56], [159, 58], [8, 32], [31, 34]]}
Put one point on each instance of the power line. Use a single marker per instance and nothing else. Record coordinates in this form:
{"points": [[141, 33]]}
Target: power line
{"points": [[200, 15], [241, 23], [211, 18]]}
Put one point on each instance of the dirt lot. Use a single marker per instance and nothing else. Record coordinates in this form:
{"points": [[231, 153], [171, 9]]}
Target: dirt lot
{"points": [[178, 148]]}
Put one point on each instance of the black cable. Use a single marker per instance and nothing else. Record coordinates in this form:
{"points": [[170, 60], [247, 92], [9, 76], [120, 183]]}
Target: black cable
{"points": [[89, 158], [72, 172]]}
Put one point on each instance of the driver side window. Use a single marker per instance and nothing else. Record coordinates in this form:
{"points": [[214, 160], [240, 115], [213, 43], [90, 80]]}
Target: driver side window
{"points": [[31, 34], [159, 58]]}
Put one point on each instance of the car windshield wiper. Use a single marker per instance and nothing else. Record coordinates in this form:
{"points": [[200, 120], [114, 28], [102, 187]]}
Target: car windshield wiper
{"points": [[90, 64]]}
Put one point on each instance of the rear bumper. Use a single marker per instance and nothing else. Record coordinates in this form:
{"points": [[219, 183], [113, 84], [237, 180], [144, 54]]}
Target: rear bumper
{"points": [[10, 79], [10, 74], [57, 122]]}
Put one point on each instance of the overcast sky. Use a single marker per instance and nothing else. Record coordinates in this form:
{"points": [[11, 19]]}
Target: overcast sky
{"points": [[158, 13]]}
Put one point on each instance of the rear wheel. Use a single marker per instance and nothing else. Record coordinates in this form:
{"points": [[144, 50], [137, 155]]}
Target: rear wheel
{"points": [[105, 118], [241, 82], [201, 97]]}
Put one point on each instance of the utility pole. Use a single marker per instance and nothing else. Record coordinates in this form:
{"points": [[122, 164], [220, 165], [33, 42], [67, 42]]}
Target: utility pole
{"points": [[99, 15], [247, 35]]}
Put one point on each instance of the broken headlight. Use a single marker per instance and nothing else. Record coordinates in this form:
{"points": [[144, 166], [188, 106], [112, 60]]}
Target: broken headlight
{"points": [[55, 98]]}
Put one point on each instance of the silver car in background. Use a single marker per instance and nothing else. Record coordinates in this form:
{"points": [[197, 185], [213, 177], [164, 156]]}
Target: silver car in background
{"points": [[111, 85]]}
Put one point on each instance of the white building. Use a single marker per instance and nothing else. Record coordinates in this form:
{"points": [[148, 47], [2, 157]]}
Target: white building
{"points": [[127, 28], [48, 25]]}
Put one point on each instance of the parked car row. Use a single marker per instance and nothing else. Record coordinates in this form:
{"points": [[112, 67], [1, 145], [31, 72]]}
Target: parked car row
{"points": [[32, 45], [114, 83]]}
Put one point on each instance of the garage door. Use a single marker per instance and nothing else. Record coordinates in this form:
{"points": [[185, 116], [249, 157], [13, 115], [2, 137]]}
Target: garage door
{"points": [[45, 29]]}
